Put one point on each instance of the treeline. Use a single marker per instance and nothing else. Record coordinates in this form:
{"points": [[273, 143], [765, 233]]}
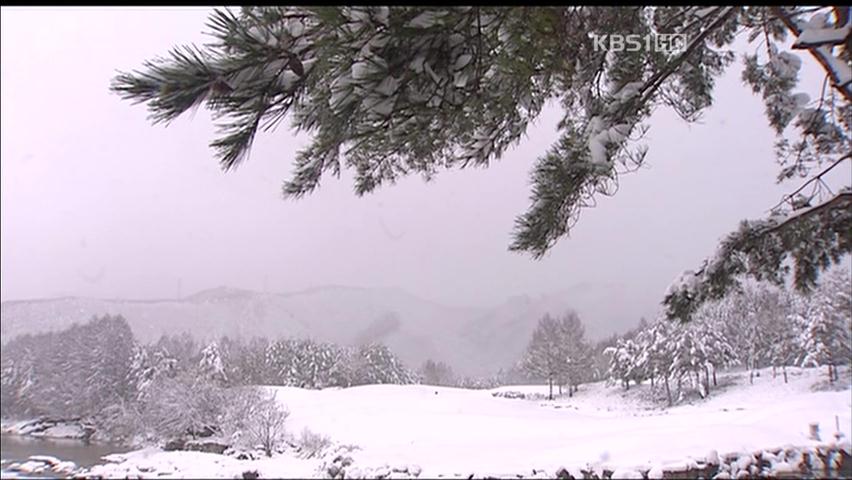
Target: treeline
{"points": [[175, 387], [75, 372], [300, 363], [759, 326]]}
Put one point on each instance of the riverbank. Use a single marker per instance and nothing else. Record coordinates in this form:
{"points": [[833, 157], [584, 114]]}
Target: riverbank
{"points": [[827, 460], [45, 427]]}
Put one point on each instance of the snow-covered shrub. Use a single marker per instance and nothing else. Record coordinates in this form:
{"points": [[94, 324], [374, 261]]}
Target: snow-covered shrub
{"points": [[183, 405], [311, 444], [254, 418], [265, 420]]}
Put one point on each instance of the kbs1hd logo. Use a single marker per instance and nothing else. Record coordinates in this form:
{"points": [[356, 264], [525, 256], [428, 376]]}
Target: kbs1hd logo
{"points": [[634, 42]]}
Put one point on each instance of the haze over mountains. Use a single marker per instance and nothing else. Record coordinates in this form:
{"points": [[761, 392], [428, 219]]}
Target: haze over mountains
{"points": [[473, 340]]}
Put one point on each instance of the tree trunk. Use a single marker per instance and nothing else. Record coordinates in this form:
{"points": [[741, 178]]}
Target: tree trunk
{"points": [[697, 379], [550, 384], [832, 372], [751, 372], [774, 372], [784, 371], [570, 390], [652, 381], [706, 380], [668, 392], [560, 389], [714, 377]]}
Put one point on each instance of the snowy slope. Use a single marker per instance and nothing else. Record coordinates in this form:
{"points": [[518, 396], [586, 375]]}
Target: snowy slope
{"points": [[446, 432]]}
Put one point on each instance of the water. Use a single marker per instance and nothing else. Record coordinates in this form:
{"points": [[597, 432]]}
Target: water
{"points": [[18, 448]]}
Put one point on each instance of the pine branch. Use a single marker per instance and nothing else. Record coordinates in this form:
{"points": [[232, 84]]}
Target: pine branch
{"points": [[170, 86], [565, 179], [820, 53], [814, 239], [813, 179]]}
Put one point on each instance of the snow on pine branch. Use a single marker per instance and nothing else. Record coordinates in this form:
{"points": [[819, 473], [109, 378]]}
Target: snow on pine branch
{"points": [[813, 239], [817, 37]]}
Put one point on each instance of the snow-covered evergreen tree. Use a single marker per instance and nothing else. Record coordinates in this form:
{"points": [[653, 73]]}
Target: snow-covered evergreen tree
{"points": [[280, 356], [665, 352], [375, 363], [437, 373], [317, 365], [141, 370], [625, 362], [17, 375], [827, 324], [211, 366]]}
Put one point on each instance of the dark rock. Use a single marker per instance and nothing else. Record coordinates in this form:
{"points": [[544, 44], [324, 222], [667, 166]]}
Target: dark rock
{"points": [[205, 431], [333, 471], [702, 470], [174, 444], [207, 446], [589, 474], [251, 475], [563, 474]]}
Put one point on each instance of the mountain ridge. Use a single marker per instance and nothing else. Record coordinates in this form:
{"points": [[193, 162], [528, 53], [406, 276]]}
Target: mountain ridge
{"points": [[474, 340]]}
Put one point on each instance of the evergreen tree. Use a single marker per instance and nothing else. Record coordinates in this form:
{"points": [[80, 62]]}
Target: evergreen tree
{"points": [[624, 362], [280, 357], [211, 366], [388, 92], [17, 374], [437, 373], [376, 364], [827, 322]]}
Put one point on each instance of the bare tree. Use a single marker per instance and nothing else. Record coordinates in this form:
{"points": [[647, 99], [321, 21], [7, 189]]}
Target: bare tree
{"points": [[265, 420], [557, 351]]}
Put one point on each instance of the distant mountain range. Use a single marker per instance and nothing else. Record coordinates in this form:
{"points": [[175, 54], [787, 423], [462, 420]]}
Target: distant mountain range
{"points": [[475, 341]]}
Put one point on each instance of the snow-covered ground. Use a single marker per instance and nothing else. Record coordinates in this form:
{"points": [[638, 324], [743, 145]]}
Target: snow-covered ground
{"points": [[450, 432]]}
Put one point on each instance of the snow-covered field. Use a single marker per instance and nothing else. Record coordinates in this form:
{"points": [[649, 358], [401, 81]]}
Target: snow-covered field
{"points": [[457, 432]]}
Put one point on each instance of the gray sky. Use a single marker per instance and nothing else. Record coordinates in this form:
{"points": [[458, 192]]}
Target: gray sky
{"points": [[97, 202]]}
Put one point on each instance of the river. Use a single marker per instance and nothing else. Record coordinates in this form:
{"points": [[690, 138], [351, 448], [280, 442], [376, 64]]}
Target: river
{"points": [[18, 448]]}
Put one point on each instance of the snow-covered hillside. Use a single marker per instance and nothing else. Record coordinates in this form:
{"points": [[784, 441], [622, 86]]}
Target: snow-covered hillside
{"points": [[457, 432], [475, 341]]}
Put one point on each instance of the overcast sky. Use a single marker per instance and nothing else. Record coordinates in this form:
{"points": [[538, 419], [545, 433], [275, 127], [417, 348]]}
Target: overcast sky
{"points": [[98, 202]]}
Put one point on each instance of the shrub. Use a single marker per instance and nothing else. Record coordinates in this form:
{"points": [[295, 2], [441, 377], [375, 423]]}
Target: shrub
{"points": [[263, 419], [311, 443]]}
